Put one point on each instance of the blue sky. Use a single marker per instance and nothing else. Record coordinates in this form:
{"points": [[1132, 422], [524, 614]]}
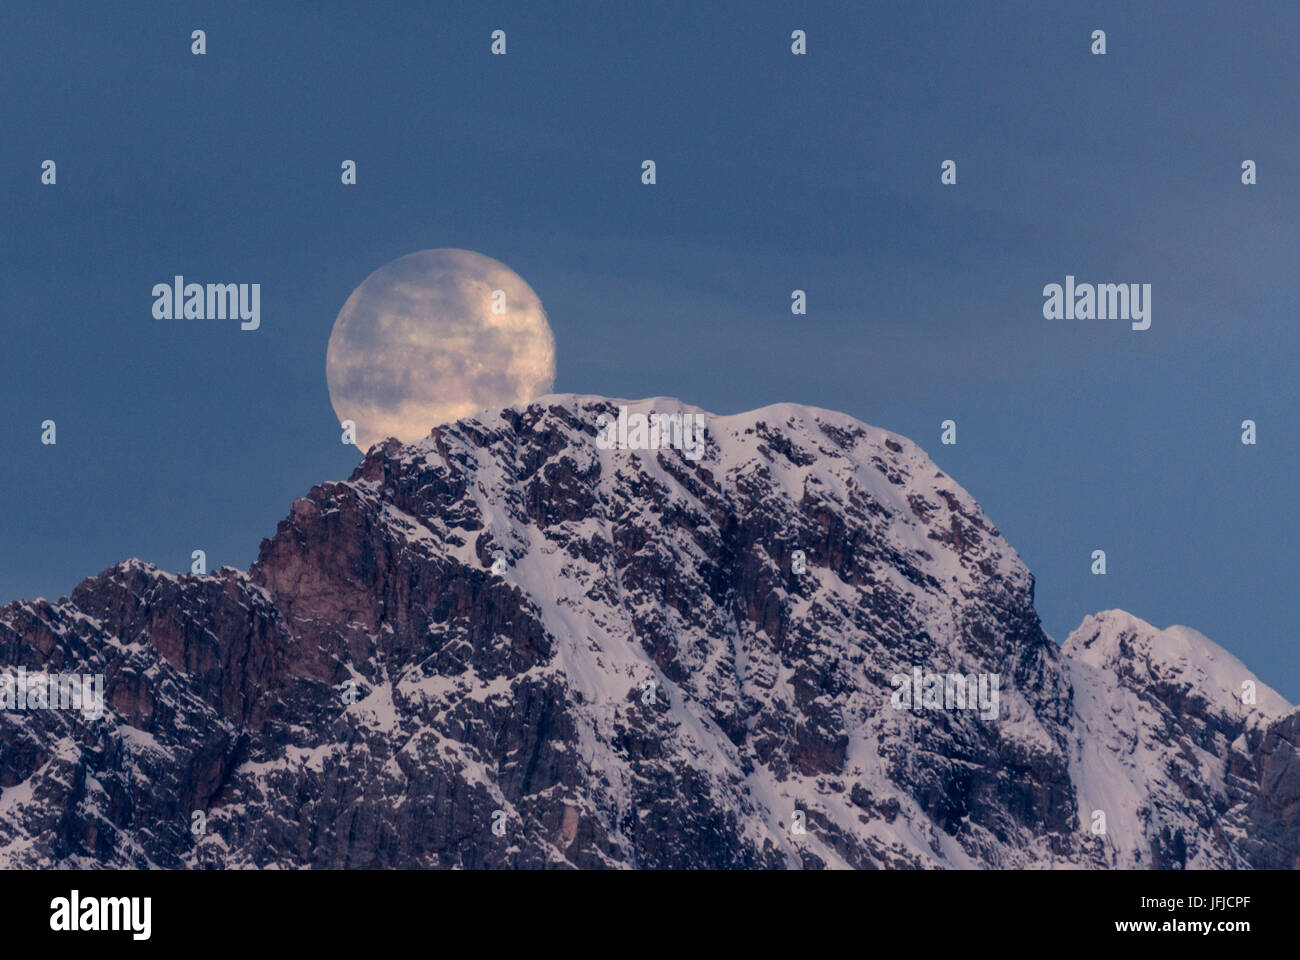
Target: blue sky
{"points": [[775, 172]]}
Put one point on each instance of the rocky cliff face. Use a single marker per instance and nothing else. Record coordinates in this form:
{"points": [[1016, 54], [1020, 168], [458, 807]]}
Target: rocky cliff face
{"points": [[505, 646]]}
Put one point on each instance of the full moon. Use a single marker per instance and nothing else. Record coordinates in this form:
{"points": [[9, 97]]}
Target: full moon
{"points": [[432, 337]]}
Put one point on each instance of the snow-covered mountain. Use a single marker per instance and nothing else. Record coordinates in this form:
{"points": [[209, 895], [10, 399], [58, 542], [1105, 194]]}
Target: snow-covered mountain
{"points": [[506, 646], [1168, 745]]}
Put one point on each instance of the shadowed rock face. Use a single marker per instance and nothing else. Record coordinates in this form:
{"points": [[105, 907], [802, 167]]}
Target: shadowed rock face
{"points": [[651, 681], [1273, 812]]}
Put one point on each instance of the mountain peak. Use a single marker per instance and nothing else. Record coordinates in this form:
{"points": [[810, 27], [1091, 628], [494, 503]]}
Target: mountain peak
{"points": [[637, 656], [1173, 657]]}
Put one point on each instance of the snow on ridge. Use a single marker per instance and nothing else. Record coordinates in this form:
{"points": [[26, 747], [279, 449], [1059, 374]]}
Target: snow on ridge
{"points": [[1116, 638], [807, 422], [1123, 762], [844, 454]]}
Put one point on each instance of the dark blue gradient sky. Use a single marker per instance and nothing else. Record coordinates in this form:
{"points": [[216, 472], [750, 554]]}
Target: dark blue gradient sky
{"points": [[775, 172]]}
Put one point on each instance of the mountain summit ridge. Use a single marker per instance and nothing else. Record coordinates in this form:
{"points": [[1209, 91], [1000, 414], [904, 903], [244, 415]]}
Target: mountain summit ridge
{"points": [[628, 658]]}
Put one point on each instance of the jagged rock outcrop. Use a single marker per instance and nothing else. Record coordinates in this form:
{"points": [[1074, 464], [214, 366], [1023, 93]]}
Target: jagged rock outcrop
{"points": [[680, 662]]}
